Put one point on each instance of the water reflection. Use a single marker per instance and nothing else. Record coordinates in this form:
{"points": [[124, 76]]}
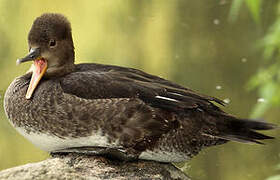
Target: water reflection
{"points": [[244, 60], [227, 100], [218, 87], [216, 21], [261, 100]]}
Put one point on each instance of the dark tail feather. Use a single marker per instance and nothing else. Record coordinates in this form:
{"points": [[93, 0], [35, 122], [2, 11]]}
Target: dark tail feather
{"points": [[244, 130]]}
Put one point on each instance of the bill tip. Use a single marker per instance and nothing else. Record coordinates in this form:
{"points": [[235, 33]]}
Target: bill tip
{"points": [[18, 62], [28, 96]]}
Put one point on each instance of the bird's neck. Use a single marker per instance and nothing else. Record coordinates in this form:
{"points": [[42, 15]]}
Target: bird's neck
{"points": [[58, 71]]}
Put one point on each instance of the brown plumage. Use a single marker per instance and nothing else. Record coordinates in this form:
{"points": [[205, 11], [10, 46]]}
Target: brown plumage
{"points": [[95, 108]]}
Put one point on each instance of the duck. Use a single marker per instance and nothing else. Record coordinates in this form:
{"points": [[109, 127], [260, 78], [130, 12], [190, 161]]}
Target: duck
{"points": [[90, 108]]}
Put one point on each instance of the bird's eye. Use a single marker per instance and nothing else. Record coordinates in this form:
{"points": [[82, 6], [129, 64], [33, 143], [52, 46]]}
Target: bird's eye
{"points": [[52, 43]]}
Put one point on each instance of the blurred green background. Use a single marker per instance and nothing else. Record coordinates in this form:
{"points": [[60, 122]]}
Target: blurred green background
{"points": [[214, 47]]}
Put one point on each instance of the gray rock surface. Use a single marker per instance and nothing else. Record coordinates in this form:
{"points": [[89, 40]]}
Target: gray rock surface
{"points": [[82, 167]]}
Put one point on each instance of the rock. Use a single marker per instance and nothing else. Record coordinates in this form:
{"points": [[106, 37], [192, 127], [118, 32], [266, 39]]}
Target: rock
{"points": [[83, 167]]}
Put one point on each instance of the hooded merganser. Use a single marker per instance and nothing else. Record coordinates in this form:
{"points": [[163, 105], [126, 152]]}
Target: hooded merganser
{"points": [[101, 109]]}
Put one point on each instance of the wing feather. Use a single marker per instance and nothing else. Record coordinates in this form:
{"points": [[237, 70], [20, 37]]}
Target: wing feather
{"points": [[101, 81]]}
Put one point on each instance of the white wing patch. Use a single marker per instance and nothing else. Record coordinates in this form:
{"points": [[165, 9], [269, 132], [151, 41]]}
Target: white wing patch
{"points": [[166, 98], [175, 94]]}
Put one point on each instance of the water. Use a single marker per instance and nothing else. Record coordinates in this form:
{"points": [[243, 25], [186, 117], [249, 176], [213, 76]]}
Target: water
{"points": [[227, 100], [261, 100], [244, 60], [218, 87], [216, 21]]}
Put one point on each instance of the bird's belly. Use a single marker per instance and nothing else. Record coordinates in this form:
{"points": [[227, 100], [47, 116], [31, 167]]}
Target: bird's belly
{"points": [[164, 156], [52, 143]]}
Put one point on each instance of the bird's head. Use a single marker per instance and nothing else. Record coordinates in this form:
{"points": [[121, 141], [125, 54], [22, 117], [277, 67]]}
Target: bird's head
{"points": [[50, 48]]}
